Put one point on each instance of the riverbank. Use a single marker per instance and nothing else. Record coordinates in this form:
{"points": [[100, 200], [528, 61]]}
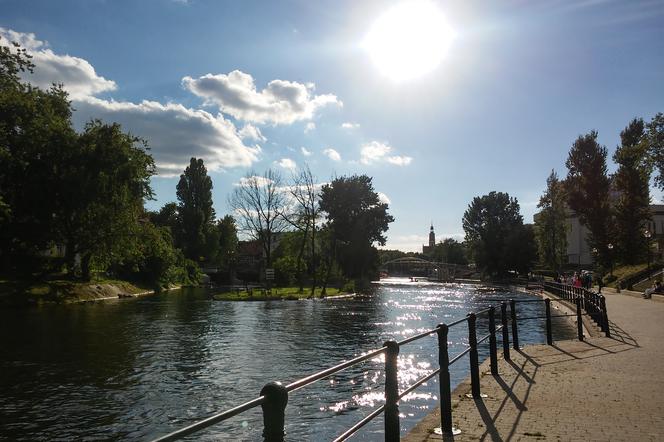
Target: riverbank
{"points": [[18, 293], [276, 293], [599, 389]]}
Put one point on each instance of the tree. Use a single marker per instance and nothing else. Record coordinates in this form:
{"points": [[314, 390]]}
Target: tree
{"points": [[227, 233], [356, 219], [196, 215], [587, 187], [551, 224], [259, 203], [632, 181], [35, 137], [488, 223], [450, 251], [654, 141], [521, 248], [303, 217], [104, 182]]}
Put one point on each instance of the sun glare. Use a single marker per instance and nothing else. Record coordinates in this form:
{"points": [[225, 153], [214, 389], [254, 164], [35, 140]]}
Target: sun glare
{"points": [[409, 40]]}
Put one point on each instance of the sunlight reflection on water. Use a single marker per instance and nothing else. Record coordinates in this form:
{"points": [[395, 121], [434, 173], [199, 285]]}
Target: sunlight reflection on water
{"points": [[138, 369]]}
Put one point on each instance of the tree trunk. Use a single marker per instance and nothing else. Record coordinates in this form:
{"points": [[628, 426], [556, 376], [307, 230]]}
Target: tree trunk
{"points": [[300, 273], [313, 259], [85, 266]]}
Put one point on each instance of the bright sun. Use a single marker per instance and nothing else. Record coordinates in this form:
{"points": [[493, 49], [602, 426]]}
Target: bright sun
{"points": [[409, 40]]}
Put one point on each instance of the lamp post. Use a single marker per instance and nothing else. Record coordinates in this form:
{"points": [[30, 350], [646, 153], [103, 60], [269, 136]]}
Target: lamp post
{"points": [[648, 234], [610, 247]]}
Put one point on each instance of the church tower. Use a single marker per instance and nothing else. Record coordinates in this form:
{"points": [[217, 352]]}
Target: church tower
{"points": [[428, 250], [432, 238]]}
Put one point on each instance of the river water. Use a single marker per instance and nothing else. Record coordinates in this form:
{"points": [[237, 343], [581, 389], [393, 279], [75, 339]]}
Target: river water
{"points": [[137, 369]]}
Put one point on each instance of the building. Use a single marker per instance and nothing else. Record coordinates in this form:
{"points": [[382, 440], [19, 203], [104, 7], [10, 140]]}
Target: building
{"points": [[428, 250], [580, 253]]}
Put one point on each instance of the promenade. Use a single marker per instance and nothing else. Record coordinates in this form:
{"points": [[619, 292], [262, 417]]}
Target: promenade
{"points": [[603, 389]]}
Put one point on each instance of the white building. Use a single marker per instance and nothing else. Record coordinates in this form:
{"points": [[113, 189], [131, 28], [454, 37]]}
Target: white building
{"points": [[579, 252]]}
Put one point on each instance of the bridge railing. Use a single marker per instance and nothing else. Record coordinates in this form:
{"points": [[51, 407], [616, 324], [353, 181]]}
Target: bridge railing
{"points": [[274, 396]]}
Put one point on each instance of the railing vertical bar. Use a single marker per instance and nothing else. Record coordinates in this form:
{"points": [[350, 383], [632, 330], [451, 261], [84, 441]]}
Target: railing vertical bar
{"points": [[549, 334], [274, 407], [492, 341], [605, 317], [444, 382], [515, 330], [505, 330], [474, 359], [392, 426], [579, 321]]}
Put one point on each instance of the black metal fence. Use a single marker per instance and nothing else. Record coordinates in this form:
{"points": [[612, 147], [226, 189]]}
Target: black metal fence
{"points": [[274, 396]]}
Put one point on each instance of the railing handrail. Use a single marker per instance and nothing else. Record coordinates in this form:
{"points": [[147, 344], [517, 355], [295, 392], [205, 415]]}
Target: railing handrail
{"points": [[265, 401]]}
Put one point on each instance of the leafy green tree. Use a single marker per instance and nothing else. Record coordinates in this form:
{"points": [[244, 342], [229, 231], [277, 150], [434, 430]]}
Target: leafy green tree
{"points": [[104, 182], [654, 141], [35, 135], [450, 251], [196, 215], [228, 242], [521, 248], [632, 181], [551, 224], [167, 216], [587, 188], [356, 219], [488, 223]]}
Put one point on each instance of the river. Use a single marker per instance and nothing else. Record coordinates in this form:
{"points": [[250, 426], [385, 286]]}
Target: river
{"points": [[136, 369]]}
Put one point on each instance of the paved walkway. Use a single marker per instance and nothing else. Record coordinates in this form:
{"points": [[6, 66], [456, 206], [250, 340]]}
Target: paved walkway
{"points": [[603, 389]]}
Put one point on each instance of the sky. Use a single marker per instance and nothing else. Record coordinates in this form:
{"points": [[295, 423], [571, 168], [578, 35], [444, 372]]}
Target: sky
{"points": [[473, 96]]}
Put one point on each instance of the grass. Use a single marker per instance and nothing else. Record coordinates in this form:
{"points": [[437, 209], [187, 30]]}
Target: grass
{"points": [[55, 288], [274, 293], [624, 272]]}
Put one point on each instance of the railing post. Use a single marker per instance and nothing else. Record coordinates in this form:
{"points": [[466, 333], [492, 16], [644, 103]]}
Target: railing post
{"points": [[579, 321], [605, 316], [474, 359], [392, 426], [549, 334], [274, 407], [506, 332], [492, 341], [515, 330], [444, 381]]}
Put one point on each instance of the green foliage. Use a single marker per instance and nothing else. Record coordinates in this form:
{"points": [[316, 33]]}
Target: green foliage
{"points": [[632, 181], [551, 224], [654, 141], [196, 215], [356, 219], [494, 227], [587, 187], [451, 251]]}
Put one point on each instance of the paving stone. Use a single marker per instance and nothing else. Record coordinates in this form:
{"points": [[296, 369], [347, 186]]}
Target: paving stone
{"points": [[600, 389]]}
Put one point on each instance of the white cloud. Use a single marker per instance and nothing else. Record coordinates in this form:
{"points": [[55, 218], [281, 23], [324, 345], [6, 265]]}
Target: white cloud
{"points": [[251, 132], [399, 160], [383, 198], [306, 152], [332, 154], [76, 74], [348, 125], [255, 180], [309, 127], [281, 102], [375, 152], [175, 133], [286, 163]]}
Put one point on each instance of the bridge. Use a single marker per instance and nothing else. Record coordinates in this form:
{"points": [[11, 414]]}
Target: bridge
{"points": [[432, 270]]}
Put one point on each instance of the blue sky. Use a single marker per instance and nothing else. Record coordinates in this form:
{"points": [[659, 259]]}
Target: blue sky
{"points": [[252, 85]]}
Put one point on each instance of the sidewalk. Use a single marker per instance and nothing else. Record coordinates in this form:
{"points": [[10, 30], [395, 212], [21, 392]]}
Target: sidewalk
{"points": [[601, 389]]}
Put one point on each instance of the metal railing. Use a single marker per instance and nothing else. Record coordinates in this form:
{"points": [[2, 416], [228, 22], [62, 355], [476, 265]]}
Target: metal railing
{"points": [[274, 396]]}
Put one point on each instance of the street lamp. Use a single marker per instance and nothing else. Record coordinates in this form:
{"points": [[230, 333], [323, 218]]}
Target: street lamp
{"points": [[610, 247], [647, 235]]}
